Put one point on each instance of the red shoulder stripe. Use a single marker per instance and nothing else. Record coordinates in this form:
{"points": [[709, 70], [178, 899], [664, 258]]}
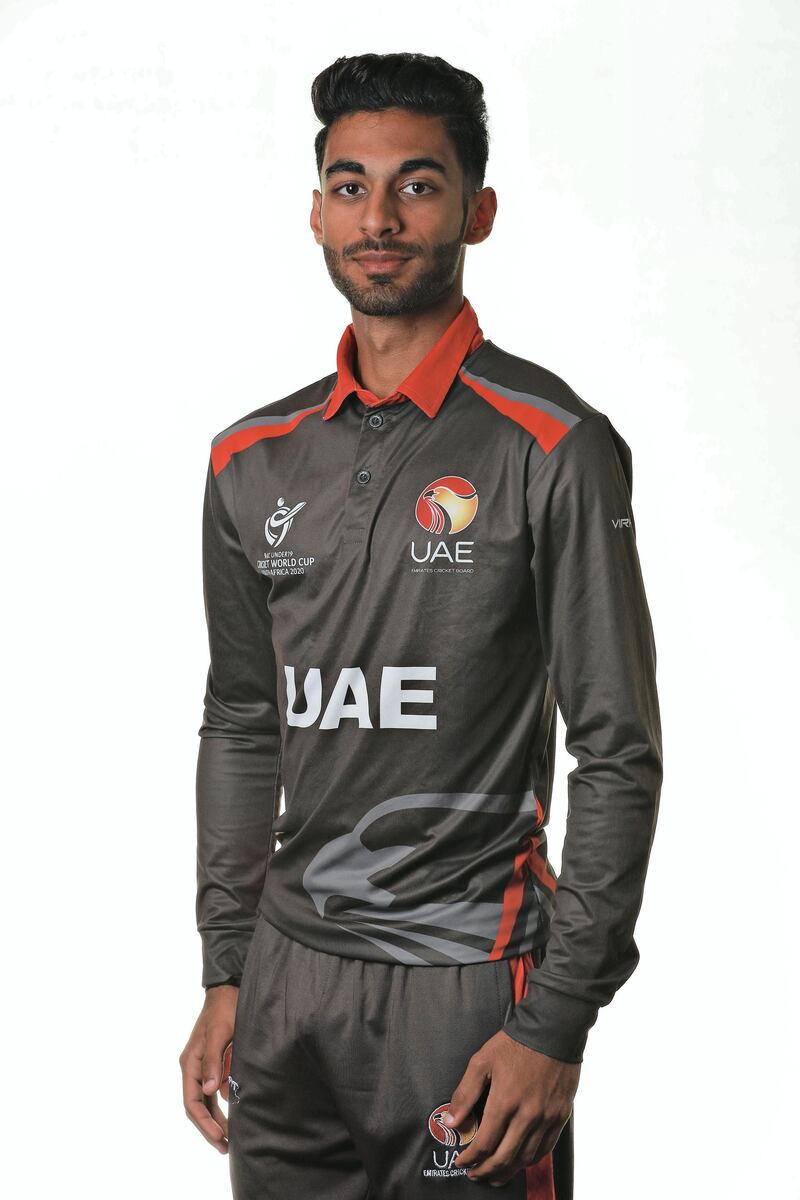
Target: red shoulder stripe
{"points": [[547, 430], [241, 439]]}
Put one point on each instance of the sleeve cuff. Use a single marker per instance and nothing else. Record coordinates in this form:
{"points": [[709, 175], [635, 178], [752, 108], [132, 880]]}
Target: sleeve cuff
{"points": [[552, 1023], [224, 955]]}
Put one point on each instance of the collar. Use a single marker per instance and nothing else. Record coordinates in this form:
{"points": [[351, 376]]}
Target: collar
{"points": [[431, 379]]}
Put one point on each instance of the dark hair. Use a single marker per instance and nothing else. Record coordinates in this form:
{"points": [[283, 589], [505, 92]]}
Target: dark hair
{"points": [[420, 82]]}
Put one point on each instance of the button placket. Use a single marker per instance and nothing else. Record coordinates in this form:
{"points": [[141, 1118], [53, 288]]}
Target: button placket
{"points": [[362, 494]]}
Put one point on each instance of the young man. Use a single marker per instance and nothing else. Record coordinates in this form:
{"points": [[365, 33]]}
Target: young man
{"points": [[408, 566]]}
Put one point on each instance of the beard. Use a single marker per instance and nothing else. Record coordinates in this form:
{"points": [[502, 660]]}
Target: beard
{"points": [[380, 297]]}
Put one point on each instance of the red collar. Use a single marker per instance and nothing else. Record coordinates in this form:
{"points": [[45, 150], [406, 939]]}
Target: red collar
{"points": [[431, 379]]}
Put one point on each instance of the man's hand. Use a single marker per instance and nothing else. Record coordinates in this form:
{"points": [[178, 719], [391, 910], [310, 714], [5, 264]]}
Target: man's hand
{"points": [[201, 1063], [529, 1103]]}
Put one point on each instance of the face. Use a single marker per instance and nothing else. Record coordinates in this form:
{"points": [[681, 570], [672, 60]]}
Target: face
{"points": [[391, 184]]}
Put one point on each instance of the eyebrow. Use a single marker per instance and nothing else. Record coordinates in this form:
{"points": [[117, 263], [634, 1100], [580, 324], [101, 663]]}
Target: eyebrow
{"points": [[410, 164]]}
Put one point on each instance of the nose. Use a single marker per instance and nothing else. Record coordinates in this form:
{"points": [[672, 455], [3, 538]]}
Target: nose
{"points": [[379, 216]]}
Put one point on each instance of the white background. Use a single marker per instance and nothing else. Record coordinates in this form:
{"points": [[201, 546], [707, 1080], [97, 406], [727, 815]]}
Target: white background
{"points": [[158, 280]]}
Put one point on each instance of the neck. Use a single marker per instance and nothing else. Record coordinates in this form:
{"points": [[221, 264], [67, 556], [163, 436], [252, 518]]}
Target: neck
{"points": [[388, 348]]}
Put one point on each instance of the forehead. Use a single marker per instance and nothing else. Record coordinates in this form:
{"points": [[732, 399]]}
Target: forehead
{"points": [[379, 140]]}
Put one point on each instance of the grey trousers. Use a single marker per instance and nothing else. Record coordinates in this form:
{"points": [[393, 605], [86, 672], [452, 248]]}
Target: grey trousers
{"points": [[340, 1070]]}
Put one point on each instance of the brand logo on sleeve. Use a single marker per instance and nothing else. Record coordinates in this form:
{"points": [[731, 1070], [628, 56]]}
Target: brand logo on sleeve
{"points": [[446, 506]]}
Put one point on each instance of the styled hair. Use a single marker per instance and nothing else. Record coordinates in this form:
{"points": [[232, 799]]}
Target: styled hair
{"points": [[419, 82]]}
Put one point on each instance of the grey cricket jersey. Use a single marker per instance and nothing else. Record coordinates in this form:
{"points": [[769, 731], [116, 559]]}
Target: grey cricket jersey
{"points": [[399, 595]]}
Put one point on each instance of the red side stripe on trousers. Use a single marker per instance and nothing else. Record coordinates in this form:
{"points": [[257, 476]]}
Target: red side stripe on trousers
{"points": [[539, 1179]]}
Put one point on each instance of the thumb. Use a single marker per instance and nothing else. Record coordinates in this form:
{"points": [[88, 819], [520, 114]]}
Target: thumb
{"points": [[211, 1065], [224, 1087], [468, 1092]]}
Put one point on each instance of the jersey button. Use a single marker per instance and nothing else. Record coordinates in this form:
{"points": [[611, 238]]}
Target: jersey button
{"points": [[376, 420], [364, 476]]}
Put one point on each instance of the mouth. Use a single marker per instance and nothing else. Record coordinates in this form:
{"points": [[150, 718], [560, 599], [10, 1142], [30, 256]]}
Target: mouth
{"points": [[380, 262]]}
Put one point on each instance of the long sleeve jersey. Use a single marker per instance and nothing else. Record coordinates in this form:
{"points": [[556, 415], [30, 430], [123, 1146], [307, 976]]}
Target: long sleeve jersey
{"points": [[399, 596]]}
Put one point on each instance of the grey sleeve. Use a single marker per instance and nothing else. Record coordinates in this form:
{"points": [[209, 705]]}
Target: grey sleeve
{"points": [[238, 764], [598, 642]]}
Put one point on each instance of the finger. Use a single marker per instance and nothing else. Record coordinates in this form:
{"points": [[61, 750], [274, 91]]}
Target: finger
{"points": [[533, 1149], [531, 1153], [213, 1106], [508, 1157], [194, 1101], [224, 1087], [548, 1142], [468, 1092], [491, 1130], [199, 1115]]}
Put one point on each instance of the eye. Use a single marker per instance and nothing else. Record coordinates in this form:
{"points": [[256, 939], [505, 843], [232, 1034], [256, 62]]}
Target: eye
{"points": [[418, 183], [350, 183]]}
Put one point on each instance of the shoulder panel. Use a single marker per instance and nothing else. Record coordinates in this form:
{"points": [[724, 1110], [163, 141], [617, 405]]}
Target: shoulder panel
{"points": [[539, 401], [271, 420]]}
